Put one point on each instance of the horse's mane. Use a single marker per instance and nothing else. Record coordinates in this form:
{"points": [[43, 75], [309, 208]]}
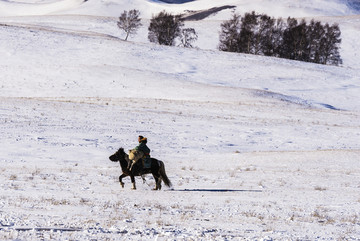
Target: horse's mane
{"points": [[123, 153]]}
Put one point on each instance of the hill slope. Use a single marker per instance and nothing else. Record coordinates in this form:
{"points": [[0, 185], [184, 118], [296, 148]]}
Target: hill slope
{"points": [[256, 148]]}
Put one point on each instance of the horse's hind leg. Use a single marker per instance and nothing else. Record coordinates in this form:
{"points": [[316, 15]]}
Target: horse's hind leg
{"points": [[157, 182]]}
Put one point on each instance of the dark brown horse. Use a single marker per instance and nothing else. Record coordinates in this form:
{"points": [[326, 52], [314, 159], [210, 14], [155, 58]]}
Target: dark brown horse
{"points": [[157, 169]]}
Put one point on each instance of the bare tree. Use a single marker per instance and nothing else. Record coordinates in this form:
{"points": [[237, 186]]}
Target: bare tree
{"points": [[165, 28], [330, 45], [187, 37], [229, 35], [129, 22]]}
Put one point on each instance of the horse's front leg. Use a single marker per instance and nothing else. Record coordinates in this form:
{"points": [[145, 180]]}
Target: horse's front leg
{"points": [[120, 179], [133, 182]]}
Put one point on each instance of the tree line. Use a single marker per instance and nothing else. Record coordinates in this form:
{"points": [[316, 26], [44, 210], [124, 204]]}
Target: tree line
{"points": [[262, 35], [252, 33], [164, 28]]}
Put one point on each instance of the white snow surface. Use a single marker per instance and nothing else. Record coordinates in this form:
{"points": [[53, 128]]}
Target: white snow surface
{"points": [[257, 148]]}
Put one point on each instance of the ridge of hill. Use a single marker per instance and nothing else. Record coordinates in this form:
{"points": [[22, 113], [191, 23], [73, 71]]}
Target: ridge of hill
{"points": [[257, 148], [282, 8]]}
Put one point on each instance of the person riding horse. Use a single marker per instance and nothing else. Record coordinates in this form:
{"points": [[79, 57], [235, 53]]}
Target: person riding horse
{"points": [[140, 152]]}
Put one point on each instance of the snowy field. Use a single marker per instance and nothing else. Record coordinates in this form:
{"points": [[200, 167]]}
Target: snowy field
{"points": [[256, 148]]}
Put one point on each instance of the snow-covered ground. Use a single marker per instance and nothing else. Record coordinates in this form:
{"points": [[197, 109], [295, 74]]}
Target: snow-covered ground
{"points": [[256, 148]]}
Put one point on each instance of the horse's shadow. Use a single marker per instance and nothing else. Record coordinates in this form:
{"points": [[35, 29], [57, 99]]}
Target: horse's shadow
{"points": [[213, 190]]}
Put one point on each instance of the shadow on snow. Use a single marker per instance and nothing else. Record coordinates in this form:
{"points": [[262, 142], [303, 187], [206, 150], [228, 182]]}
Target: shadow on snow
{"points": [[213, 190]]}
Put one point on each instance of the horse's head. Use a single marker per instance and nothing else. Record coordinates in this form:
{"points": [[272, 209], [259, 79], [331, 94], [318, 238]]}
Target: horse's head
{"points": [[117, 156]]}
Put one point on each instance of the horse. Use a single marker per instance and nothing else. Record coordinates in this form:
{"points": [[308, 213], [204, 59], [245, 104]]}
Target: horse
{"points": [[157, 169]]}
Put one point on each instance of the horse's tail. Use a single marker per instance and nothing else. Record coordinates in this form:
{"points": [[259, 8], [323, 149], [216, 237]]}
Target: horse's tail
{"points": [[163, 174]]}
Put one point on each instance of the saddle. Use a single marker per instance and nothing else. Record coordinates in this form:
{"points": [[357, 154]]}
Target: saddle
{"points": [[146, 162], [135, 156]]}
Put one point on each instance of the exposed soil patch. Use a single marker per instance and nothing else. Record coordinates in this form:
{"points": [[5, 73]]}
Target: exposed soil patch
{"points": [[176, 1], [199, 15]]}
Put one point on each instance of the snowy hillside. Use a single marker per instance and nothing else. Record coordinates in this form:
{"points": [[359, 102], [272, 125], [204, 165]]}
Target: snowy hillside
{"points": [[148, 7], [256, 148]]}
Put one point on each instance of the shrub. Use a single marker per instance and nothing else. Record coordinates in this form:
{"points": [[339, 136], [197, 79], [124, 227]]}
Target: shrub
{"points": [[165, 28]]}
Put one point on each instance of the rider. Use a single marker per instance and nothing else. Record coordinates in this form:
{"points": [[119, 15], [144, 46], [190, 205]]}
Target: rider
{"points": [[145, 150]]}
